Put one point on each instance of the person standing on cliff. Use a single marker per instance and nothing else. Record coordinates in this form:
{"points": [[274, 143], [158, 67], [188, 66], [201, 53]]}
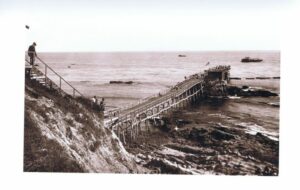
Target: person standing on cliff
{"points": [[32, 53], [102, 105], [94, 102]]}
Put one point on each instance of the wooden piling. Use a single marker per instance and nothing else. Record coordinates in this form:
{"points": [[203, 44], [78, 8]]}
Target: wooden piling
{"points": [[123, 134]]}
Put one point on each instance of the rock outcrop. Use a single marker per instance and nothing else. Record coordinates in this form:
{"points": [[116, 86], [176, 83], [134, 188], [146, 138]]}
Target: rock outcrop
{"points": [[247, 91]]}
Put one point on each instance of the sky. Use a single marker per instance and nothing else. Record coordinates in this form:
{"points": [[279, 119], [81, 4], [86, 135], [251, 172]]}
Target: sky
{"points": [[157, 25]]}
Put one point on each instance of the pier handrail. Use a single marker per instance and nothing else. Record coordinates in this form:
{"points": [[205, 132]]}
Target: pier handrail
{"points": [[163, 93], [159, 100], [60, 77], [143, 105]]}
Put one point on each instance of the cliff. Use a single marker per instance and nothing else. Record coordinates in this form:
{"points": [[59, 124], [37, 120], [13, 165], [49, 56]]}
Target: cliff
{"points": [[62, 134]]}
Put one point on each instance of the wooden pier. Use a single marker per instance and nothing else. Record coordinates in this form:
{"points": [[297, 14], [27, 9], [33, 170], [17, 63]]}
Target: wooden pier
{"points": [[128, 122]]}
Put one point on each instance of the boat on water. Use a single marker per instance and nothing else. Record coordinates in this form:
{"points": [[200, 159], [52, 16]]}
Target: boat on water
{"points": [[249, 59], [181, 55]]}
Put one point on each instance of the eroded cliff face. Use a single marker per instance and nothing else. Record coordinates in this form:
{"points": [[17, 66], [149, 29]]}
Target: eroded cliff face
{"points": [[64, 135]]}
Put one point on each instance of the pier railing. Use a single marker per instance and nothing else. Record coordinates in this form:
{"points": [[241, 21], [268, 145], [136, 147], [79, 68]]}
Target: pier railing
{"points": [[133, 110], [156, 98], [52, 76]]}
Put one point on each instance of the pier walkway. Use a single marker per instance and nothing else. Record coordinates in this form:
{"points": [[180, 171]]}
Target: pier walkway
{"points": [[128, 122]]}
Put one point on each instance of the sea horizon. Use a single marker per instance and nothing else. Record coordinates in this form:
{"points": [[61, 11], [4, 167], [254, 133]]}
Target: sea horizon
{"points": [[157, 51]]}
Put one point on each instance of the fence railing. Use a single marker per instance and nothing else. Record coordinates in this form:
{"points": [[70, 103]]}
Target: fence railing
{"points": [[53, 76]]}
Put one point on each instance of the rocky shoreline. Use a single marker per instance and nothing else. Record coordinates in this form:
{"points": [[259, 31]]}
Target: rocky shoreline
{"points": [[185, 143], [209, 150]]}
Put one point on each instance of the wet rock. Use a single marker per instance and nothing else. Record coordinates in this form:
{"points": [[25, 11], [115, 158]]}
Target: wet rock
{"points": [[120, 82], [190, 149], [163, 124], [221, 135], [275, 104], [234, 90], [265, 140], [258, 171], [165, 167], [268, 171], [263, 93], [245, 91], [181, 122], [199, 135]]}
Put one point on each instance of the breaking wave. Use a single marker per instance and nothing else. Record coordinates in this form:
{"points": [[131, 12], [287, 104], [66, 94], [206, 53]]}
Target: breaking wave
{"points": [[253, 129]]}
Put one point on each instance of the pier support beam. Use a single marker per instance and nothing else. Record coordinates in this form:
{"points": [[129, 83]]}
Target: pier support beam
{"points": [[123, 137]]}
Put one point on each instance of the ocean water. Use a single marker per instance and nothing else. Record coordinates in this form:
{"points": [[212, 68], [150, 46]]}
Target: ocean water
{"points": [[151, 72]]}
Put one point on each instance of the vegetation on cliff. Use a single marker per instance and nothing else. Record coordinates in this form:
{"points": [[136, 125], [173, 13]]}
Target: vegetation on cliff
{"points": [[62, 134]]}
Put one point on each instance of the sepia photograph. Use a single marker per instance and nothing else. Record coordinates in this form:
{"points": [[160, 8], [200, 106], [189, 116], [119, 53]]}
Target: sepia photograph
{"points": [[160, 94], [137, 88]]}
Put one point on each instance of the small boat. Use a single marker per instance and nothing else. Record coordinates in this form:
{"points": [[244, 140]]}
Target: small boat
{"points": [[248, 59], [181, 55]]}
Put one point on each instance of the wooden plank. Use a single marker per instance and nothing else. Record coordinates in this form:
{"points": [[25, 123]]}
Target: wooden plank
{"points": [[38, 77]]}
